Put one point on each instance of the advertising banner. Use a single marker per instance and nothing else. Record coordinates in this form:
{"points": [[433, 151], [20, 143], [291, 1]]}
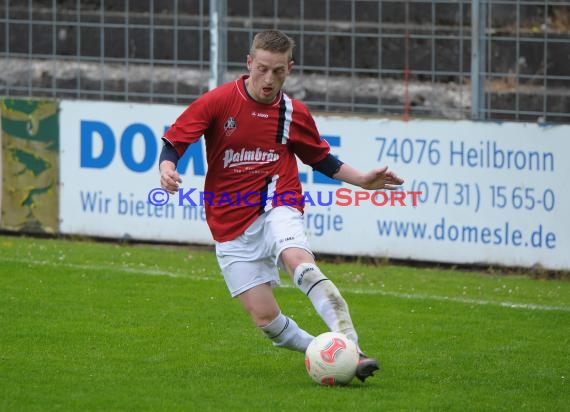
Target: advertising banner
{"points": [[490, 193]]}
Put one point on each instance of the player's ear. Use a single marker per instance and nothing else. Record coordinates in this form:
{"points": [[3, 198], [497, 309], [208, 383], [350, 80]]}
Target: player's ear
{"points": [[290, 65], [249, 62]]}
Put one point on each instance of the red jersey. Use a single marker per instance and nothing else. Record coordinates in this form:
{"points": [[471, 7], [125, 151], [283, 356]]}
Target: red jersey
{"points": [[250, 150]]}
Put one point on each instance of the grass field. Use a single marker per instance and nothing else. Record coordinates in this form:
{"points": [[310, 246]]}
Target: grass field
{"points": [[87, 326]]}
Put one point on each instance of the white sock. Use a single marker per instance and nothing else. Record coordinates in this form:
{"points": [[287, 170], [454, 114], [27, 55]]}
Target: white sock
{"points": [[326, 299], [285, 332]]}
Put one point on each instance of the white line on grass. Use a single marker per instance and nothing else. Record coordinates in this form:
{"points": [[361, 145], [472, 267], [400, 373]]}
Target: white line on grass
{"points": [[469, 301], [142, 270]]}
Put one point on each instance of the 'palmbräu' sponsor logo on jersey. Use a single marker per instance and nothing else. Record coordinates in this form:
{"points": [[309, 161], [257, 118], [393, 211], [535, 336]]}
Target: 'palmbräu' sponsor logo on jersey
{"points": [[245, 156]]}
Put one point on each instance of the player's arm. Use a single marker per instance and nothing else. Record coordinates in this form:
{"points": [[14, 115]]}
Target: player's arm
{"points": [[186, 130], [169, 177], [375, 179]]}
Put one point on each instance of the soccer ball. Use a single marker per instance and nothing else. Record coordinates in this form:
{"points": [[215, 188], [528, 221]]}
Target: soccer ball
{"points": [[331, 359]]}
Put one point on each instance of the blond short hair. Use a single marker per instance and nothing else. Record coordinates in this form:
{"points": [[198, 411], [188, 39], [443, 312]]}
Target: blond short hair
{"points": [[273, 41]]}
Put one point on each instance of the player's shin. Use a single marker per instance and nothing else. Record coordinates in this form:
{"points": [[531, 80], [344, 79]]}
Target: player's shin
{"points": [[326, 299], [285, 332]]}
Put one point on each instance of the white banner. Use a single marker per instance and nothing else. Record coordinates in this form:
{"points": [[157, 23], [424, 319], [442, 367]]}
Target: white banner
{"points": [[489, 193]]}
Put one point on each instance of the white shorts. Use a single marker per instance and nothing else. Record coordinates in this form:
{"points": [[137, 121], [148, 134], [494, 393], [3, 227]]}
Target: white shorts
{"points": [[254, 258]]}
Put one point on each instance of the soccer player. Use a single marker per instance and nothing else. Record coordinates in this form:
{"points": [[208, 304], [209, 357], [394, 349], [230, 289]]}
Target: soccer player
{"points": [[253, 131]]}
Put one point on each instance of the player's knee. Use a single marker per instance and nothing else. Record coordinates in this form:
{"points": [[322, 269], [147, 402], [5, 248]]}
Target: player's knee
{"points": [[307, 276], [263, 318], [260, 312], [293, 257]]}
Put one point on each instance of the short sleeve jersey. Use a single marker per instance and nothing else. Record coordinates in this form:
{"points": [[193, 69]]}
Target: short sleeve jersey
{"points": [[250, 150]]}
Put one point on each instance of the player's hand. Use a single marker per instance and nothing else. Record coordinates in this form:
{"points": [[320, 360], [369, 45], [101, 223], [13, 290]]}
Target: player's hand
{"points": [[381, 179], [169, 177]]}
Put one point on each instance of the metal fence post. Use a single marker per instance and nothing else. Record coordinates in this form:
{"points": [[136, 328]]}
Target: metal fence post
{"points": [[478, 54], [218, 42]]}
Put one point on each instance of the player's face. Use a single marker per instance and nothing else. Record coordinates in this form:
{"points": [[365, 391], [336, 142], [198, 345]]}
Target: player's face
{"points": [[267, 73]]}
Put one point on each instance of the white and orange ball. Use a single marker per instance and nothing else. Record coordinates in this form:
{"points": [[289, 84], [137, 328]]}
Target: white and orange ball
{"points": [[331, 359]]}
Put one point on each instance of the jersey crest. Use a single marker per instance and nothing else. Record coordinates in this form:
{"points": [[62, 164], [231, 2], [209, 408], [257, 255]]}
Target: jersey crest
{"points": [[230, 126]]}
